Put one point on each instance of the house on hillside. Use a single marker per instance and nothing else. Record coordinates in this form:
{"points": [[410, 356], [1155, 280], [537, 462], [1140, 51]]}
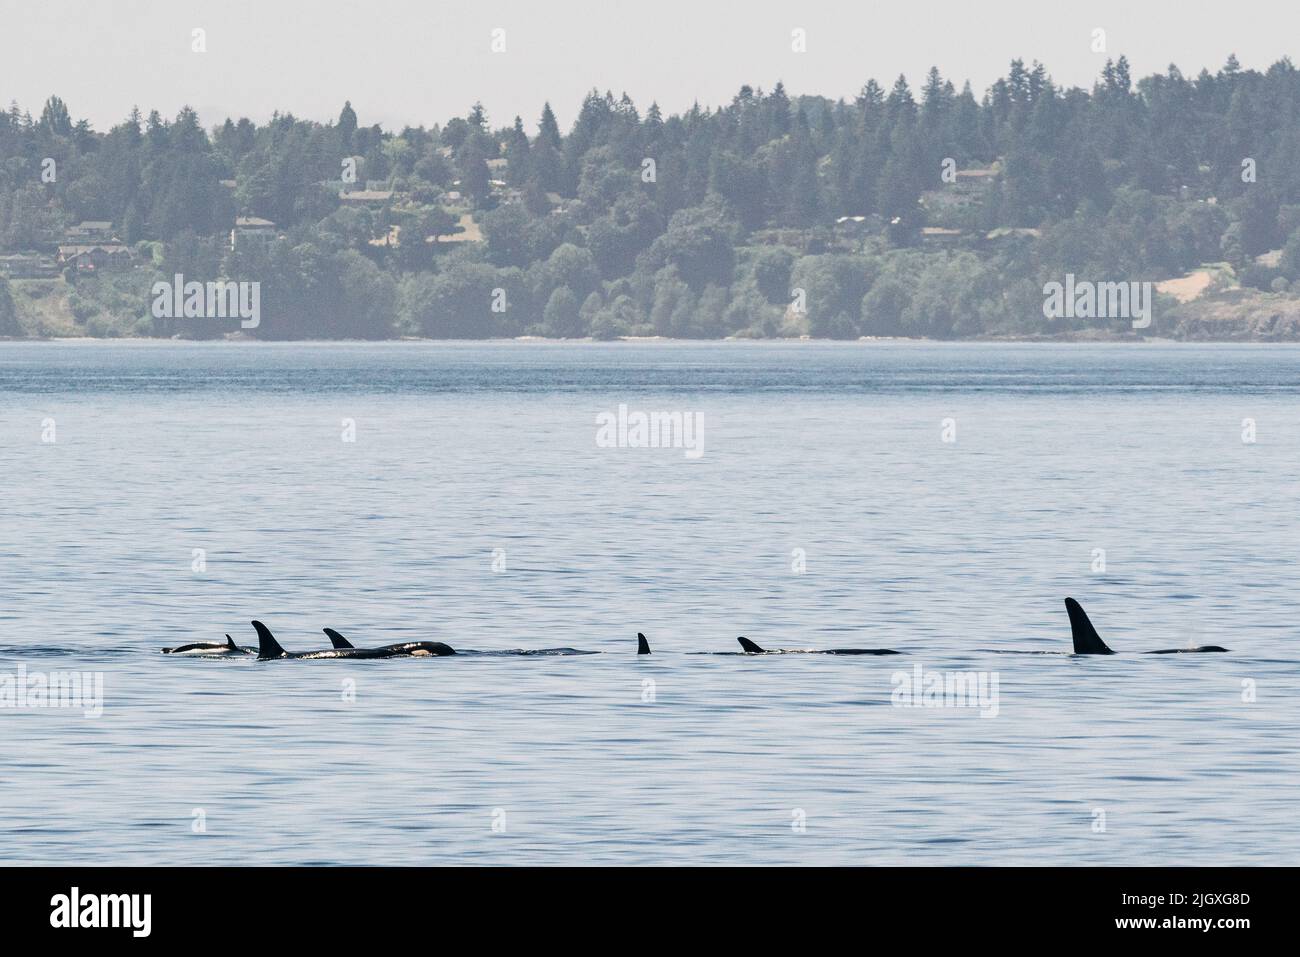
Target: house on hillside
{"points": [[252, 227], [90, 231], [948, 203], [27, 266], [978, 177], [1003, 233], [941, 236], [852, 227], [372, 198], [94, 257], [779, 236]]}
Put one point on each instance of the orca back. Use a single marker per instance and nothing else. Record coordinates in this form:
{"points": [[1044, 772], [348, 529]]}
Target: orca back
{"points": [[436, 649], [1086, 639], [267, 646], [337, 640]]}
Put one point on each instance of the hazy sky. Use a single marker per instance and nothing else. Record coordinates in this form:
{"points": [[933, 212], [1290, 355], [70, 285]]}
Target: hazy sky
{"points": [[422, 61]]}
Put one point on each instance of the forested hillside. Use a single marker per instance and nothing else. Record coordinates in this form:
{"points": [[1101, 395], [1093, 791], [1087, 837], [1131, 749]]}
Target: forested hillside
{"points": [[933, 211]]}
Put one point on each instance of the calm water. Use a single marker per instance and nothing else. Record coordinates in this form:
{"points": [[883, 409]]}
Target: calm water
{"points": [[952, 552]]}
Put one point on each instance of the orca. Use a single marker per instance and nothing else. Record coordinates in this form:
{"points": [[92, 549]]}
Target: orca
{"points": [[210, 649], [268, 648], [1088, 642], [343, 648], [642, 646], [337, 640], [750, 648], [415, 649]]}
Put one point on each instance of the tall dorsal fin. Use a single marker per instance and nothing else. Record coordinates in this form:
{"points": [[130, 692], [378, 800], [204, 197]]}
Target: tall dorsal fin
{"points": [[1086, 639], [749, 646], [337, 640], [267, 646], [230, 643], [642, 646]]}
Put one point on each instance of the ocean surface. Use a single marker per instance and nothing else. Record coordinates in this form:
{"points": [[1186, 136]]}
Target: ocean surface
{"points": [[936, 499]]}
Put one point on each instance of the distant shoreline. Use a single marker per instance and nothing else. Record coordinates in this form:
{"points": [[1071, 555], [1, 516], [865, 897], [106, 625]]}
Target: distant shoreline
{"points": [[665, 340]]}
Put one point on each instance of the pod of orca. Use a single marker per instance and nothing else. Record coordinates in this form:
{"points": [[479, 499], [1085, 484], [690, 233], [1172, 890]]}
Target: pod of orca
{"points": [[1085, 637]]}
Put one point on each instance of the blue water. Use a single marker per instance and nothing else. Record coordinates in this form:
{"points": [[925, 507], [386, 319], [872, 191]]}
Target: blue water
{"points": [[956, 553]]}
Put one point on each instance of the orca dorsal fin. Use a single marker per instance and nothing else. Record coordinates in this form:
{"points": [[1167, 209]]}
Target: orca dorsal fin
{"points": [[230, 643], [749, 646], [337, 640], [642, 646], [267, 646], [1086, 639]]}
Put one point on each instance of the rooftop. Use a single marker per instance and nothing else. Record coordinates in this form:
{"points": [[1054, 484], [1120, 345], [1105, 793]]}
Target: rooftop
{"points": [[367, 195], [76, 249]]}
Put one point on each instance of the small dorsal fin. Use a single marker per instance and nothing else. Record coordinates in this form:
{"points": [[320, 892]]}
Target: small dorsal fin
{"points": [[749, 646], [1086, 639], [230, 643], [267, 646], [642, 646], [337, 640]]}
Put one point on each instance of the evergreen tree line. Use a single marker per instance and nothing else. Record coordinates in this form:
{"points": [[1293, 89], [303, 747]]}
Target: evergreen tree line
{"points": [[772, 215]]}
